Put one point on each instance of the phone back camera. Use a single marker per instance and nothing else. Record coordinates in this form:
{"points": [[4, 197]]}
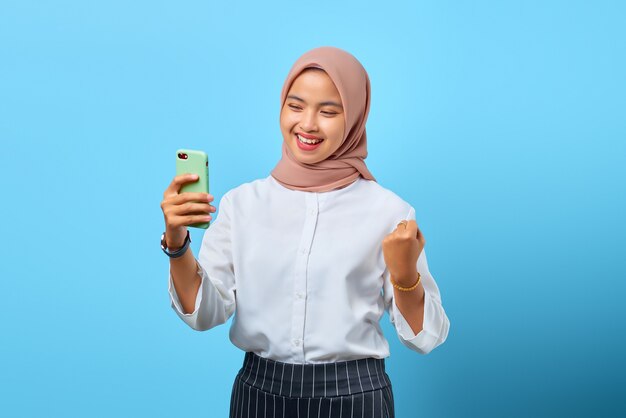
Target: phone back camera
{"points": [[182, 156]]}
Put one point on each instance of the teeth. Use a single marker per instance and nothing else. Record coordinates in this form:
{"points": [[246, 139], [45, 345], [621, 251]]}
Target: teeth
{"points": [[308, 141]]}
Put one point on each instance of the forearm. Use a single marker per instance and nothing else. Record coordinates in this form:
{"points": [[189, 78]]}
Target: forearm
{"points": [[186, 279], [410, 303]]}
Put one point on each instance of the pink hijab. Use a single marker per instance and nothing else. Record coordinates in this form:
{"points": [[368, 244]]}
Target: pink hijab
{"points": [[347, 163]]}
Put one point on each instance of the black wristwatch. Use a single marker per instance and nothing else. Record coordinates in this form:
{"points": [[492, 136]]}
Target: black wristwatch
{"points": [[180, 251]]}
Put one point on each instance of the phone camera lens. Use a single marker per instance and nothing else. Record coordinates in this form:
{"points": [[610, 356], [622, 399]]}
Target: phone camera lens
{"points": [[182, 155]]}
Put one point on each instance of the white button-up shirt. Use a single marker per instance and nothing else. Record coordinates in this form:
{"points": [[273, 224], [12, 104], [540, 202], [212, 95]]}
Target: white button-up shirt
{"points": [[304, 274]]}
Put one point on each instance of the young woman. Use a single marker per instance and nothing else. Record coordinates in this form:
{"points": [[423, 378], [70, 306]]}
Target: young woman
{"points": [[308, 259]]}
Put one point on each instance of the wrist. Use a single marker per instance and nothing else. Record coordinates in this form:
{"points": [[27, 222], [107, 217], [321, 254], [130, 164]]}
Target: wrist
{"points": [[174, 240], [172, 247], [175, 252], [405, 280]]}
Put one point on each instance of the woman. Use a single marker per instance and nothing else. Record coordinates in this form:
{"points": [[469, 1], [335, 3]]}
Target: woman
{"points": [[311, 257]]}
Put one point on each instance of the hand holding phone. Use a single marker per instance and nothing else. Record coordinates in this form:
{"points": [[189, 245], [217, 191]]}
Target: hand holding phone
{"points": [[186, 201], [194, 162]]}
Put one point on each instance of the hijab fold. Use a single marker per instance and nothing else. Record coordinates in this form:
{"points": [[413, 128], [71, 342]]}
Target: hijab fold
{"points": [[347, 163]]}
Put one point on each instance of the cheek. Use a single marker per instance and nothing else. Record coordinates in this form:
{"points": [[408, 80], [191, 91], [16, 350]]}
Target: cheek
{"points": [[335, 130], [287, 122]]}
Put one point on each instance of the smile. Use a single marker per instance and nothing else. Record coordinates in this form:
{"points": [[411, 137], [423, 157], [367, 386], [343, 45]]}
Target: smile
{"points": [[307, 144], [308, 141]]}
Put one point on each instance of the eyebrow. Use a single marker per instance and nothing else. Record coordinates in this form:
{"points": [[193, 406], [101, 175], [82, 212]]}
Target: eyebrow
{"points": [[329, 103]]}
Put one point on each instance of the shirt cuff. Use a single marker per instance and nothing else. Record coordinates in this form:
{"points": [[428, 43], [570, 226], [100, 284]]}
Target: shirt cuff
{"points": [[434, 331], [176, 301]]}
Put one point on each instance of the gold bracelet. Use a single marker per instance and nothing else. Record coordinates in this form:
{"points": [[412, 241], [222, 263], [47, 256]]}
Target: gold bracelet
{"points": [[407, 289]]}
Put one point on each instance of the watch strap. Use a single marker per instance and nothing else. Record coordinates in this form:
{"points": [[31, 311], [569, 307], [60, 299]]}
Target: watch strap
{"points": [[179, 252]]}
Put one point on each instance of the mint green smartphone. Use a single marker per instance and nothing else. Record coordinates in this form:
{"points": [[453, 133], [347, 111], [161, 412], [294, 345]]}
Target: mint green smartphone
{"points": [[194, 162]]}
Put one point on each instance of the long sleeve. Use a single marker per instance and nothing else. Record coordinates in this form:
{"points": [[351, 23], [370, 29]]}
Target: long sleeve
{"points": [[215, 302], [436, 323]]}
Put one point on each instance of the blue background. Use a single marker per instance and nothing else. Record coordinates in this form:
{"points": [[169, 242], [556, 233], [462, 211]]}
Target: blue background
{"points": [[503, 123]]}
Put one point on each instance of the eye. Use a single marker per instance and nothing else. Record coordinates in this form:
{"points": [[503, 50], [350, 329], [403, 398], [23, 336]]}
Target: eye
{"points": [[295, 107], [330, 113]]}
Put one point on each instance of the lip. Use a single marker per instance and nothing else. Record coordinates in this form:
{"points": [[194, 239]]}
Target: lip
{"points": [[307, 136]]}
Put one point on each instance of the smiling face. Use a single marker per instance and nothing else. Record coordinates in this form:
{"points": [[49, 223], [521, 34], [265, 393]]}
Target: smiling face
{"points": [[313, 110]]}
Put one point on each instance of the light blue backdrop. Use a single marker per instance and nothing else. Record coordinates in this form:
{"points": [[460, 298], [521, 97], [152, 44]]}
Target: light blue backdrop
{"points": [[502, 122]]}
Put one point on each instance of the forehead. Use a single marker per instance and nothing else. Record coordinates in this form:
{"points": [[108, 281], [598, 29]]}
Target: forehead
{"points": [[314, 82]]}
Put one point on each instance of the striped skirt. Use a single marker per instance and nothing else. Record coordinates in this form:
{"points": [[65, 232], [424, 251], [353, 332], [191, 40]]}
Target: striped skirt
{"points": [[272, 389]]}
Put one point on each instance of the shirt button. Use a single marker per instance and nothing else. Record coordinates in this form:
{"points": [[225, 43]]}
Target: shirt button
{"points": [[296, 342], [300, 295], [312, 211], [303, 251]]}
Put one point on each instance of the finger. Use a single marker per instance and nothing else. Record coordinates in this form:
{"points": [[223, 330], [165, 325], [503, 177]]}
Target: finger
{"points": [[186, 220], [408, 227], [192, 208], [412, 228], [414, 231], [178, 181], [191, 197], [400, 226], [419, 235]]}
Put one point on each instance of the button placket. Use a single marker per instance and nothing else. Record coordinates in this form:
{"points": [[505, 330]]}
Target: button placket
{"points": [[300, 279]]}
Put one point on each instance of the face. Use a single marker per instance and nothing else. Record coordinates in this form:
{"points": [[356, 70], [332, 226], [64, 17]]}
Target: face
{"points": [[313, 110]]}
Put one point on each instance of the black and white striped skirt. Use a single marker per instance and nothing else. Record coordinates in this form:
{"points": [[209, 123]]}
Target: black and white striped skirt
{"points": [[272, 389]]}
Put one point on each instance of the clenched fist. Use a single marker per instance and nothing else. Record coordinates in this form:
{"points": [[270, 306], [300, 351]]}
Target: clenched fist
{"points": [[401, 249]]}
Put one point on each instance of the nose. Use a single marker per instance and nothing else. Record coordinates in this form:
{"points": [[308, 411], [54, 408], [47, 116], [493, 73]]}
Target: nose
{"points": [[308, 122]]}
